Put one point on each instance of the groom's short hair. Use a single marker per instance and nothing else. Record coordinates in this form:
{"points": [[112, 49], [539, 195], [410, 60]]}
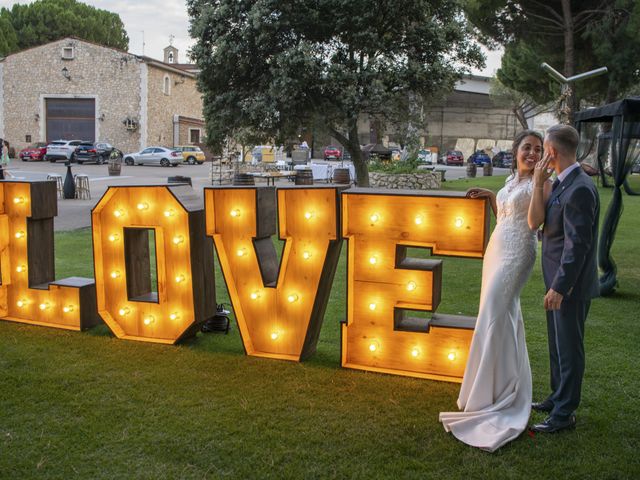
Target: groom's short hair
{"points": [[565, 138]]}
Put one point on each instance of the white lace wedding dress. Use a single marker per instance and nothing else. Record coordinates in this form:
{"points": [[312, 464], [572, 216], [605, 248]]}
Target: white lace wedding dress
{"points": [[495, 397]]}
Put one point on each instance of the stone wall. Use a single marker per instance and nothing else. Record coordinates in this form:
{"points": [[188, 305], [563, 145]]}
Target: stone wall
{"points": [[182, 99], [405, 181], [109, 76]]}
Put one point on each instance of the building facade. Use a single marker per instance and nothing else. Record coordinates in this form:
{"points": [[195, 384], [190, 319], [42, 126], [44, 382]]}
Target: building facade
{"points": [[73, 89]]}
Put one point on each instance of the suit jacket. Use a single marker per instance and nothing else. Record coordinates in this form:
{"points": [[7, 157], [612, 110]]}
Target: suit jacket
{"points": [[570, 237]]}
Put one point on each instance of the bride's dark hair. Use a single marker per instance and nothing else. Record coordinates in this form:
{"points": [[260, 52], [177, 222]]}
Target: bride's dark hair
{"points": [[517, 140]]}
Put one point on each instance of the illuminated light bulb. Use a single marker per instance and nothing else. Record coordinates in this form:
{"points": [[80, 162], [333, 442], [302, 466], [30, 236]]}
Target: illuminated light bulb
{"points": [[235, 213], [241, 252], [118, 213], [180, 278], [274, 335], [373, 346], [255, 295], [114, 237], [174, 316], [415, 352], [178, 239], [292, 298], [21, 303], [372, 306], [21, 268], [142, 206], [115, 274], [458, 222], [373, 260], [124, 311], [309, 215], [169, 213], [306, 255], [148, 320], [67, 308], [419, 219], [44, 305], [451, 356], [374, 218], [411, 286], [19, 234], [18, 200]]}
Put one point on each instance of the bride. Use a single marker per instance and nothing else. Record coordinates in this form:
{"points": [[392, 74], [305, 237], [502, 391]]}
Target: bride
{"points": [[495, 397]]}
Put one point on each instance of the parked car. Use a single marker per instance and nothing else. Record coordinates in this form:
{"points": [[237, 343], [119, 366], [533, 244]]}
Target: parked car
{"points": [[93, 152], [332, 152], [154, 155], [61, 150], [37, 151], [452, 157], [191, 154], [502, 159], [479, 158]]}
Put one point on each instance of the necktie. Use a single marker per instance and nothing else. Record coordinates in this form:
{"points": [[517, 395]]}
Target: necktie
{"points": [[556, 182]]}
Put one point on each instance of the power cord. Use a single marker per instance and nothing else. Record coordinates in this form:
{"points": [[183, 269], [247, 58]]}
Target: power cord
{"points": [[219, 323]]}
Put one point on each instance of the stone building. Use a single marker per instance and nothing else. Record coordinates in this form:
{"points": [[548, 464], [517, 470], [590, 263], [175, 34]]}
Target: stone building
{"points": [[73, 89]]}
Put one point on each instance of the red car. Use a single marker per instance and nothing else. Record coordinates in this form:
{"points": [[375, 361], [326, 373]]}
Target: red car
{"points": [[454, 157], [33, 152], [332, 152]]}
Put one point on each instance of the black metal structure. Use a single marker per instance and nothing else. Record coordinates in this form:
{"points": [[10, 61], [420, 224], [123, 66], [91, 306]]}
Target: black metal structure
{"points": [[619, 138]]}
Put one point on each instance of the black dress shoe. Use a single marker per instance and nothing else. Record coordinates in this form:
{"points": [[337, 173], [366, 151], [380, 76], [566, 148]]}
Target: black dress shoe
{"points": [[544, 406], [551, 425]]}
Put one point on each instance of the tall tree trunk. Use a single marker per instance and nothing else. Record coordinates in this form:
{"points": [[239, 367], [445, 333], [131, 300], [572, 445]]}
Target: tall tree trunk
{"points": [[352, 144], [570, 101]]}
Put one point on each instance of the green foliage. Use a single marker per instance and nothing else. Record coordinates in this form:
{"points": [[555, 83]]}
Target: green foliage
{"points": [[532, 32], [270, 66], [403, 166], [24, 26]]}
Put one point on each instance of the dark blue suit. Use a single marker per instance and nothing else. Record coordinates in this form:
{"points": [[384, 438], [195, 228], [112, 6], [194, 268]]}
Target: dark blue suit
{"points": [[569, 266]]}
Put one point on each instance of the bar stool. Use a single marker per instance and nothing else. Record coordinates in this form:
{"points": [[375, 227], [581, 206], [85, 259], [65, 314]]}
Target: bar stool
{"points": [[82, 186], [58, 179]]}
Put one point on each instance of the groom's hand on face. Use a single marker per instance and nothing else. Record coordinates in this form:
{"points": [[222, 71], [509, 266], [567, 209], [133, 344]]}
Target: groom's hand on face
{"points": [[552, 300]]}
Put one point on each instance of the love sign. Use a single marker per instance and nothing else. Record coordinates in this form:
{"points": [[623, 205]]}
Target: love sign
{"points": [[391, 325]]}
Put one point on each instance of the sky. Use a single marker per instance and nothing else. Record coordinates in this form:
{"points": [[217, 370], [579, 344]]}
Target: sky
{"points": [[159, 19]]}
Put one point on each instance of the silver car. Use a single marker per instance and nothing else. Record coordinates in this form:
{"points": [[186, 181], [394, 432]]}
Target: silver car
{"points": [[162, 156]]}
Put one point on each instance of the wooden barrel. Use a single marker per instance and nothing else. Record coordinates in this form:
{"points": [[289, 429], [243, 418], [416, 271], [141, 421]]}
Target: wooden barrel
{"points": [[341, 175], [471, 170], [487, 169], [243, 179], [304, 177], [114, 168]]}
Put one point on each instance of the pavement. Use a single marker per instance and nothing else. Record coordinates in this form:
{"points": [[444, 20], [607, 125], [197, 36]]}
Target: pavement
{"points": [[76, 213]]}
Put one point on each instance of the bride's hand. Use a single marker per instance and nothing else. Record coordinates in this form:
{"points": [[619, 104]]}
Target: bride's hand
{"points": [[476, 192], [542, 171]]}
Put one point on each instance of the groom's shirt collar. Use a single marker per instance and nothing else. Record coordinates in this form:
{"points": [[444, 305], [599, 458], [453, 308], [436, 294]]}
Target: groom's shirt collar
{"points": [[565, 173]]}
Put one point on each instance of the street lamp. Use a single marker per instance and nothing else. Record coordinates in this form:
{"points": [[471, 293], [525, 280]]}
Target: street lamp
{"points": [[566, 83]]}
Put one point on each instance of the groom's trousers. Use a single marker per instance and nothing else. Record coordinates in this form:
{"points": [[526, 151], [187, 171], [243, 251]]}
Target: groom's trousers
{"points": [[565, 328]]}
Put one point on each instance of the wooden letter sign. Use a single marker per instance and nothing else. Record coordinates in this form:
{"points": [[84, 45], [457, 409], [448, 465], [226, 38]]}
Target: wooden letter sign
{"points": [[28, 292], [279, 308], [124, 222], [384, 285]]}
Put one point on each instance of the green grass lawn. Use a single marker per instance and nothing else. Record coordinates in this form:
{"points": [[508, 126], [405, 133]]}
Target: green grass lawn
{"points": [[87, 405]]}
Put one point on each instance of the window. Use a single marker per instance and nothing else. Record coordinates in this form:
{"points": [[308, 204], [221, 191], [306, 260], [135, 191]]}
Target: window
{"points": [[166, 85], [194, 135], [67, 53]]}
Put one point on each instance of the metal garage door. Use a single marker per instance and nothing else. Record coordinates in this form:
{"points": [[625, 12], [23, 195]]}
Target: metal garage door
{"points": [[71, 119]]}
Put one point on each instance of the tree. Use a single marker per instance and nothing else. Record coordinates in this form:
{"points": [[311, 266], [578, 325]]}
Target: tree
{"points": [[270, 66], [43, 21], [521, 104], [571, 35]]}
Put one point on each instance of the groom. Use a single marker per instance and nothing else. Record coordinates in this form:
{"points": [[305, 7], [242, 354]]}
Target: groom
{"points": [[570, 273]]}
